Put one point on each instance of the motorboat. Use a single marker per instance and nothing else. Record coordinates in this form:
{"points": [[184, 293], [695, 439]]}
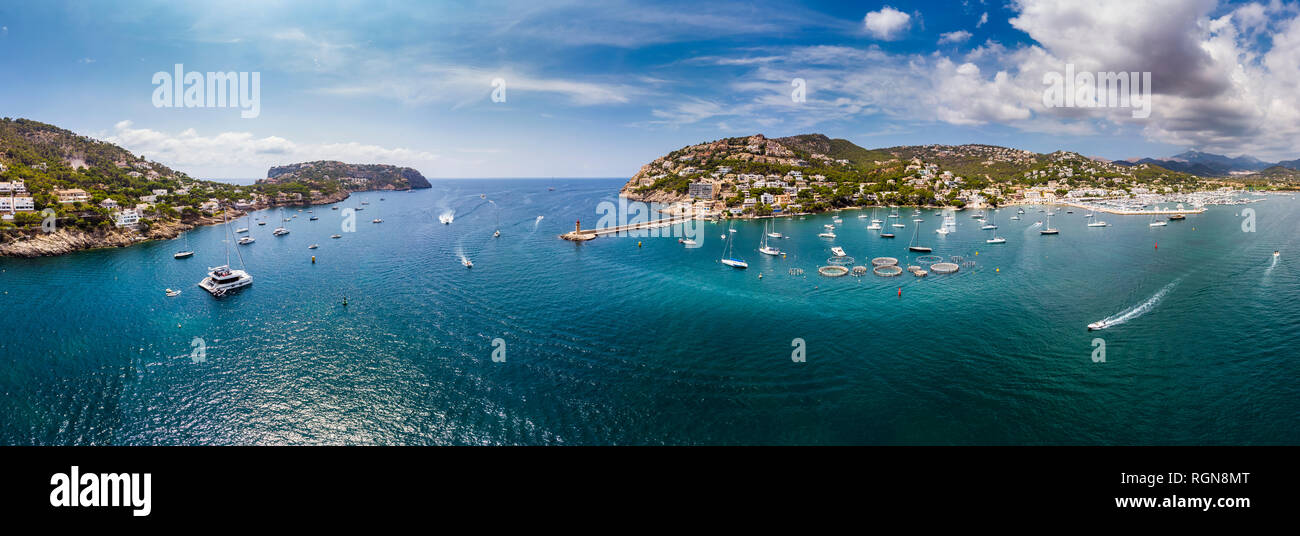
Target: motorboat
{"points": [[244, 241], [183, 254], [336, 236], [377, 220], [468, 263], [497, 234], [313, 246], [826, 234], [280, 231], [1099, 325], [446, 219], [314, 218], [241, 230], [838, 251], [222, 280], [173, 293]]}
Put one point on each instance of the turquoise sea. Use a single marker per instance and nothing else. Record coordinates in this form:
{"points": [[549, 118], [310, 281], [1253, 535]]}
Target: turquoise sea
{"points": [[611, 342]]}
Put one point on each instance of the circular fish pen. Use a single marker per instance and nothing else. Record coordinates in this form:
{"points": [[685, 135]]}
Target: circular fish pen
{"points": [[859, 270], [884, 261], [968, 264], [944, 268], [841, 261], [957, 258], [929, 259], [888, 270], [834, 270], [796, 271], [920, 273], [913, 268]]}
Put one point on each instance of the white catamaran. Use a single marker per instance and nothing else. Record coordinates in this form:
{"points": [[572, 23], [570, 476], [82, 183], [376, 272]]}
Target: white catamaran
{"points": [[222, 280]]}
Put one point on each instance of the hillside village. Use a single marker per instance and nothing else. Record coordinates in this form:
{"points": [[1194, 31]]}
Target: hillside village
{"points": [[758, 176]]}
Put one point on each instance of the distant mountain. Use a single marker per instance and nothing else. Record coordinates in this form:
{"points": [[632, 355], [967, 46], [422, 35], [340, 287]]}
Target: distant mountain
{"points": [[1208, 164], [330, 172]]}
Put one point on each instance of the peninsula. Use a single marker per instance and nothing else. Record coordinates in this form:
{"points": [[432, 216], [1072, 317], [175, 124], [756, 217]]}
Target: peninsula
{"points": [[756, 176], [62, 192]]}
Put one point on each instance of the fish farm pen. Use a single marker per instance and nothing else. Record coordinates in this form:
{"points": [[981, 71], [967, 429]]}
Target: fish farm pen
{"points": [[884, 261], [944, 267], [833, 270], [887, 270]]}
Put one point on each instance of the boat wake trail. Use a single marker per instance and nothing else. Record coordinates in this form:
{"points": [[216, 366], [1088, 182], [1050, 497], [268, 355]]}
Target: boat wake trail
{"points": [[447, 216], [1139, 309], [1271, 266], [537, 222]]}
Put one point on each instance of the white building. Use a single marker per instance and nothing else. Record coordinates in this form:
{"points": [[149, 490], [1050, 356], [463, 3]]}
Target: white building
{"points": [[108, 203], [16, 187], [126, 218], [160, 191]]}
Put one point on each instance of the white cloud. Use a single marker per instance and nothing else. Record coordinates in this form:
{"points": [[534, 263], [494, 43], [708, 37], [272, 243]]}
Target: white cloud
{"points": [[959, 36], [887, 24], [984, 19], [241, 154]]}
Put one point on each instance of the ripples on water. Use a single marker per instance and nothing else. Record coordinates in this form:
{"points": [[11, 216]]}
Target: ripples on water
{"points": [[608, 342]]}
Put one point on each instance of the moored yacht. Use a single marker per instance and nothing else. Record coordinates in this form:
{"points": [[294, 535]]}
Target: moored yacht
{"points": [[222, 280]]}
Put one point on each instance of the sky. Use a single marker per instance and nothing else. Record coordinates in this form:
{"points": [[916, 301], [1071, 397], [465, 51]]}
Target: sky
{"points": [[598, 89]]}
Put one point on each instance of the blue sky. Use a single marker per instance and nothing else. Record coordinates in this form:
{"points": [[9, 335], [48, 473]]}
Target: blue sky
{"points": [[601, 88]]}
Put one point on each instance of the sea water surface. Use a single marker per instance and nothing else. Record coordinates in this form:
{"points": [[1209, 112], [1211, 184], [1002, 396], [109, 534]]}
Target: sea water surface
{"points": [[643, 341]]}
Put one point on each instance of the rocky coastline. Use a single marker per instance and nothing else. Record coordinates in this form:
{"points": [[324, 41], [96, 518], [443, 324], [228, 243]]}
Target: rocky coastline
{"points": [[35, 243]]}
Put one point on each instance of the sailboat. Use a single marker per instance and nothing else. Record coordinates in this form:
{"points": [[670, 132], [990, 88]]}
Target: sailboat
{"points": [[767, 249], [281, 230], [727, 259], [1093, 222], [1048, 229], [992, 226], [1157, 223], [185, 253], [949, 223], [875, 222], [772, 233], [915, 245]]}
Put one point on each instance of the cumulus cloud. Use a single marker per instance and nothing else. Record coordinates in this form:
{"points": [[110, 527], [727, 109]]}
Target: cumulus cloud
{"points": [[959, 36], [1223, 81], [242, 154], [984, 19], [887, 24]]}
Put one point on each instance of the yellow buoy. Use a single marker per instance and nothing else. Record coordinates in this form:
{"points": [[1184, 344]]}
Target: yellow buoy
{"points": [[638, 243], [313, 259]]}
